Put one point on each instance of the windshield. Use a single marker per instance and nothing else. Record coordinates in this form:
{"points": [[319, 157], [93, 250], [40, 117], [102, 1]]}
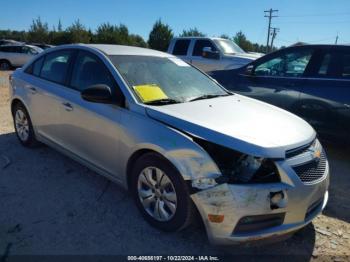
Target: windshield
{"points": [[164, 79], [228, 47]]}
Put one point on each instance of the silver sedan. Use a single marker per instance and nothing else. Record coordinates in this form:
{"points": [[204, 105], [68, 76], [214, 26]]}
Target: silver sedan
{"points": [[175, 138]]}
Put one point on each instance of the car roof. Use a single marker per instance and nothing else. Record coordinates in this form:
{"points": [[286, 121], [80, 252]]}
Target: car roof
{"points": [[123, 50], [16, 45], [320, 45], [199, 37]]}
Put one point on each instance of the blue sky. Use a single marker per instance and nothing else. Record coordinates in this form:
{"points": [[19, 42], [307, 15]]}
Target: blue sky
{"points": [[313, 21]]}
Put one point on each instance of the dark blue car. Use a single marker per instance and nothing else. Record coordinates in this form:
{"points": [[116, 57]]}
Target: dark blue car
{"points": [[312, 81]]}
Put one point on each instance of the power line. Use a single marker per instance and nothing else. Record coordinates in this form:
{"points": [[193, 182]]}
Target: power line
{"points": [[269, 14], [313, 15], [314, 22]]}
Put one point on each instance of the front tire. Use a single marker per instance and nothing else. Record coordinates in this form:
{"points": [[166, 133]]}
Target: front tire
{"points": [[23, 126], [161, 194]]}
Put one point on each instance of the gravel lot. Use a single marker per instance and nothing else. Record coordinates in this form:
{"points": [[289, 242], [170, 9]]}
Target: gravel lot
{"points": [[50, 204]]}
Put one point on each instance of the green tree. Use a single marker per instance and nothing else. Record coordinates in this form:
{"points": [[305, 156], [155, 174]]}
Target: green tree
{"points": [[241, 40], [160, 36], [137, 40], [78, 33], [59, 37], [192, 32], [106, 33], [14, 35], [224, 36], [113, 34], [38, 32]]}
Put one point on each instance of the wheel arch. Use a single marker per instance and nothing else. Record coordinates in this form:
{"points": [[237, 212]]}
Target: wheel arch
{"points": [[132, 160], [15, 102], [6, 60]]}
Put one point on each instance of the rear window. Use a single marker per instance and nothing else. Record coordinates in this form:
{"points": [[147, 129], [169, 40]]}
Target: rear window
{"points": [[181, 47]]}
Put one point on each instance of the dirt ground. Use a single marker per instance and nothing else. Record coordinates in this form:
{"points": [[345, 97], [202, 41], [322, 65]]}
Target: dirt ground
{"points": [[51, 205]]}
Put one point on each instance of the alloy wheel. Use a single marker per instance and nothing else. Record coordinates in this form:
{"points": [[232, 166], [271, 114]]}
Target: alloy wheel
{"points": [[22, 125], [157, 194]]}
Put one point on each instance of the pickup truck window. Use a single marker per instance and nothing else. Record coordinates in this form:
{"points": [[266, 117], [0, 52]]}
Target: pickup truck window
{"points": [[200, 44], [181, 47], [228, 47]]}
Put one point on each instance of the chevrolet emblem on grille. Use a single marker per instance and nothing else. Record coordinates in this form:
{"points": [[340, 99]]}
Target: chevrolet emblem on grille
{"points": [[317, 154]]}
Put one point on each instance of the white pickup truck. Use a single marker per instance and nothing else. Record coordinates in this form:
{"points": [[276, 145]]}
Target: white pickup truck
{"points": [[210, 53]]}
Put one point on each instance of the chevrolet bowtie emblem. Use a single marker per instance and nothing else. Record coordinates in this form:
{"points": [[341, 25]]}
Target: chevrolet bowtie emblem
{"points": [[317, 154]]}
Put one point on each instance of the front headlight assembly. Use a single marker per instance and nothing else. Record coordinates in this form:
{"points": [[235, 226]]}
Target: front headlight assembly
{"points": [[240, 168]]}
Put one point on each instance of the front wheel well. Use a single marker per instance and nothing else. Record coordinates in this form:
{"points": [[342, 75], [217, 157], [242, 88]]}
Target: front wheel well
{"points": [[7, 61], [14, 103], [132, 160]]}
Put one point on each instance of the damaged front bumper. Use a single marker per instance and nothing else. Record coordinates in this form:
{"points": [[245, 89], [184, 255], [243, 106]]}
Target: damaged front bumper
{"points": [[249, 212]]}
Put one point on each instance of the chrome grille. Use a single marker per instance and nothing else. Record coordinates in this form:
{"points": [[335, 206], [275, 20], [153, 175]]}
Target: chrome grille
{"points": [[314, 171]]}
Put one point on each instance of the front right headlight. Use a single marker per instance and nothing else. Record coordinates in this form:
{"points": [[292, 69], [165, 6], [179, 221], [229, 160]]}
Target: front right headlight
{"points": [[237, 167]]}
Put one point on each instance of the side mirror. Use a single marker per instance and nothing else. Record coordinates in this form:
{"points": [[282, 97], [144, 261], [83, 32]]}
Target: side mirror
{"points": [[208, 53], [249, 70], [98, 94]]}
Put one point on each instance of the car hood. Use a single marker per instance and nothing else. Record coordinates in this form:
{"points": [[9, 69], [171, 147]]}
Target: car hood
{"points": [[238, 122]]}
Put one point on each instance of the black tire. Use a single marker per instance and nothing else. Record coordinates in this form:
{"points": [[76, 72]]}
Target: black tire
{"points": [[185, 209], [5, 65], [29, 141]]}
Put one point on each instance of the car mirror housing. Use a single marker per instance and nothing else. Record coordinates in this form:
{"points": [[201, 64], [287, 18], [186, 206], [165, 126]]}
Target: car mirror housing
{"points": [[99, 93], [249, 70], [208, 53]]}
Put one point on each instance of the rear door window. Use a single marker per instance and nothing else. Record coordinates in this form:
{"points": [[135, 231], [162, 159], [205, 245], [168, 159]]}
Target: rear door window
{"points": [[334, 64], [181, 47], [55, 66], [345, 70], [28, 50], [16, 49], [7, 49], [200, 44]]}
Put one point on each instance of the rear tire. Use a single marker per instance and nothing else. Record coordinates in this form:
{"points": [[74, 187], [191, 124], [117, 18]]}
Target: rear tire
{"points": [[161, 194], [23, 126], [5, 65]]}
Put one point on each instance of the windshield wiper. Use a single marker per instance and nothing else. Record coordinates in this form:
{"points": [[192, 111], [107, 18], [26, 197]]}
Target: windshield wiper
{"points": [[207, 97], [163, 101]]}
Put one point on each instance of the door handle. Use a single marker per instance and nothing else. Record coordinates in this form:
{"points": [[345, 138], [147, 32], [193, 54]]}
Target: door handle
{"points": [[33, 90], [67, 106]]}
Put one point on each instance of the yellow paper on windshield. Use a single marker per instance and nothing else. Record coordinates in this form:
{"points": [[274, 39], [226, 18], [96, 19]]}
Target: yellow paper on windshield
{"points": [[149, 92]]}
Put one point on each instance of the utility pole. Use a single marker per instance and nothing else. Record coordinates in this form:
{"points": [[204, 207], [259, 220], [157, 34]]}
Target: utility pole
{"points": [[269, 14], [273, 35], [336, 39]]}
